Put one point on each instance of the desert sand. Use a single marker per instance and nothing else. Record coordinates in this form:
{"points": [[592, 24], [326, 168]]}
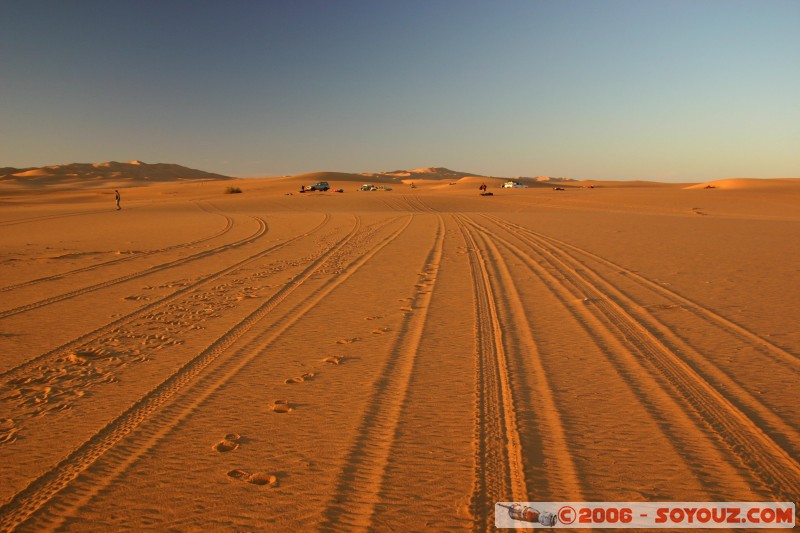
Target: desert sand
{"points": [[395, 359]]}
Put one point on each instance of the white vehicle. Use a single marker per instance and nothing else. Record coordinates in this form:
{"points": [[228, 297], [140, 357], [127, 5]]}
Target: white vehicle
{"points": [[514, 185], [368, 187]]}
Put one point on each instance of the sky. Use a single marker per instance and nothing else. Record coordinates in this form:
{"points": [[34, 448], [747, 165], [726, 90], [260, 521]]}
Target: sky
{"points": [[675, 91]]}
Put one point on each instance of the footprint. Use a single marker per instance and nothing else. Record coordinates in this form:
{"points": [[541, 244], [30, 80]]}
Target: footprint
{"points": [[348, 341], [281, 406], [333, 359], [229, 443], [407, 309], [256, 478], [380, 331], [239, 474], [373, 317], [299, 379], [263, 478]]}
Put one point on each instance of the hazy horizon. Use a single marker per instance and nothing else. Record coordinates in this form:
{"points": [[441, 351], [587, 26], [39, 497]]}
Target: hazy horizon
{"points": [[619, 90]]}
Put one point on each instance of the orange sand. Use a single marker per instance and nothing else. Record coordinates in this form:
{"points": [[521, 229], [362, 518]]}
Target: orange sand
{"points": [[392, 360]]}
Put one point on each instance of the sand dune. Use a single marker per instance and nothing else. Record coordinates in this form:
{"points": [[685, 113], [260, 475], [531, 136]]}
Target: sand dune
{"points": [[110, 174], [749, 183], [431, 173], [389, 360], [395, 176]]}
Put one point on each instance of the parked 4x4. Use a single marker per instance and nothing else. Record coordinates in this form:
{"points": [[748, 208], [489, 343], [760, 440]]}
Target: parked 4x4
{"points": [[320, 186]]}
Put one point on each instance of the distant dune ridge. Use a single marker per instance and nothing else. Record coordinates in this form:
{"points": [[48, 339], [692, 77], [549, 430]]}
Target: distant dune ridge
{"points": [[134, 173], [431, 173], [394, 176], [111, 173], [747, 183], [433, 176]]}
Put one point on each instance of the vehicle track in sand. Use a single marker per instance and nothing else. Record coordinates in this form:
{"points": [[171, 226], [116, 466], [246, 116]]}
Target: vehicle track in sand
{"points": [[359, 483], [273, 322], [260, 232], [415, 203], [640, 344], [705, 313], [56, 365], [500, 466], [733, 391], [198, 384], [130, 257], [50, 217]]}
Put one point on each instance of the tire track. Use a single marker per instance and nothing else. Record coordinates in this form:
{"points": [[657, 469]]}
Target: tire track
{"points": [[223, 231], [674, 421], [231, 359], [498, 455], [765, 459], [704, 369], [262, 229], [416, 204], [49, 217], [499, 465], [689, 305], [49, 362], [25, 368], [41, 490], [363, 475]]}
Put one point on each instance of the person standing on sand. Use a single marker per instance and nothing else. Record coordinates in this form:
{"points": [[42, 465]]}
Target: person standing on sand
{"points": [[117, 198]]}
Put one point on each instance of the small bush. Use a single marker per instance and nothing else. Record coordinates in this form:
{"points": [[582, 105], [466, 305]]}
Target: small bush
{"points": [[233, 190]]}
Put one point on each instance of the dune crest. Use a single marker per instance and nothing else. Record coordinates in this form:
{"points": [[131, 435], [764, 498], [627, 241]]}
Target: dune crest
{"points": [[430, 173], [110, 173], [748, 183]]}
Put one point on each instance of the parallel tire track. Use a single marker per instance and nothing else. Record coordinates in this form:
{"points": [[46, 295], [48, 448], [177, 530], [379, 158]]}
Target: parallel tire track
{"points": [[49, 217], [25, 368], [496, 423], [499, 470], [117, 261], [363, 475], [262, 229], [703, 367], [632, 369], [41, 490], [233, 354], [416, 204], [691, 306], [766, 460]]}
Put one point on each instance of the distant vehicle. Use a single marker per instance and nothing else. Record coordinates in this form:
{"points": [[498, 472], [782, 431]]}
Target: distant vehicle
{"points": [[368, 187], [514, 185], [558, 188], [319, 186]]}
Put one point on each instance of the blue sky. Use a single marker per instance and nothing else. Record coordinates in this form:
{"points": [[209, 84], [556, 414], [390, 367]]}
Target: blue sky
{"points": [[616, 89]]}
